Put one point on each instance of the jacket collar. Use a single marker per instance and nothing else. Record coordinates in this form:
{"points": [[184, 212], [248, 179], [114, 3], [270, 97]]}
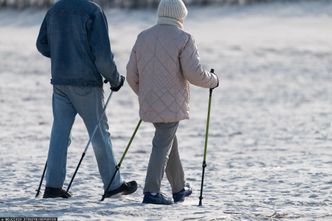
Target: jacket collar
{"points": [[170, 21]]}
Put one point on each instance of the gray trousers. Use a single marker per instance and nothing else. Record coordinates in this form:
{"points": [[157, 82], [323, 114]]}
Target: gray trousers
{"points": [[164, 157]]}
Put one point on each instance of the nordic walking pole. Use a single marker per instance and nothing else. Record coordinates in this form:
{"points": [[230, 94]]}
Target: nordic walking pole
{"points": [[205, 145], [117, 167], [90, 140], [41, 180]]}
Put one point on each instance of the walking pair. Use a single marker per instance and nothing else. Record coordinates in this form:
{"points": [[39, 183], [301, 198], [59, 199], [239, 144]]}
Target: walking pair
{"points": [[164, 59]]}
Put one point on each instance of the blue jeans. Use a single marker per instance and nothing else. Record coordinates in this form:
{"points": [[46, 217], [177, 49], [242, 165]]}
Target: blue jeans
{"points": [[88, 102]]}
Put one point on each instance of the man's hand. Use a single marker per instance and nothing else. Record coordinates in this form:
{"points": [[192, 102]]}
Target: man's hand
{"points": [[115, 89]]}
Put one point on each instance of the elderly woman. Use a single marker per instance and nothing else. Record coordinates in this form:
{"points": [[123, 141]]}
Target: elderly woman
{"points": [[163, 61]]}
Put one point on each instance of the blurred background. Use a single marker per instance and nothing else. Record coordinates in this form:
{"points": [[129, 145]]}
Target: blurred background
{"points": [[269, 153], [132, 3]]}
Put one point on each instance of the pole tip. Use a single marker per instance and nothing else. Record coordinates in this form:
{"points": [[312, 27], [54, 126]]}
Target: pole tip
{"points": [[200, 201]]}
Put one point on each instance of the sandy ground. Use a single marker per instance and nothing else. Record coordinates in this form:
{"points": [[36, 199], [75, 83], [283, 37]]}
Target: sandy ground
{"points": [[269, 154]]}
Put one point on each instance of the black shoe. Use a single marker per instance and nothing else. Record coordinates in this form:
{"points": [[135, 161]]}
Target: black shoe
{"points": [[51, 192], [179, 196], [124, 189], [156, 199]]}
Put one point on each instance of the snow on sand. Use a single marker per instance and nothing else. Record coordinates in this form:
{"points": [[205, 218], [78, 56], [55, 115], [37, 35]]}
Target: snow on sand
{"points": [[269, 153]]}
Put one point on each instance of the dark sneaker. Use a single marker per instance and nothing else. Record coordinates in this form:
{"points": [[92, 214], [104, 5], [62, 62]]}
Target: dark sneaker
{"points": [[179, 196], [124, 189], [51, 192], [156, 199]]}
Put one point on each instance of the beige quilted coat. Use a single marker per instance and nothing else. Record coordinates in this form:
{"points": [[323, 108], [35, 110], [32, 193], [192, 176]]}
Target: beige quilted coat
{"points": [[162, 62]]}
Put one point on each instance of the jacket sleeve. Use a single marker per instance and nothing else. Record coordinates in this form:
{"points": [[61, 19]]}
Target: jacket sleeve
{"points": [[132, 71], [101, 48], [42, 40], [193, 70]]}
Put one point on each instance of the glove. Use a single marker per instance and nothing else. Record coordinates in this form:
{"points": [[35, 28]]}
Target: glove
{"points": [[217, 83], [212, 72], [122, 80]]}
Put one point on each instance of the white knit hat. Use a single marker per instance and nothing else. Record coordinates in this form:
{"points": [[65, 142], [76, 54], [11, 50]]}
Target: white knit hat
{"points": [[173, 9]]}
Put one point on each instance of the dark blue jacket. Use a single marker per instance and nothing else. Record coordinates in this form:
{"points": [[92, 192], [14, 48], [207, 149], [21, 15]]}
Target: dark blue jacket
{"points": [[74, 34]]}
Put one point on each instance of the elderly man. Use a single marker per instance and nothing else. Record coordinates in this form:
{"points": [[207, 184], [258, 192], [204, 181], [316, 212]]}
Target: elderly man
{"points": [[74, 35]]}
